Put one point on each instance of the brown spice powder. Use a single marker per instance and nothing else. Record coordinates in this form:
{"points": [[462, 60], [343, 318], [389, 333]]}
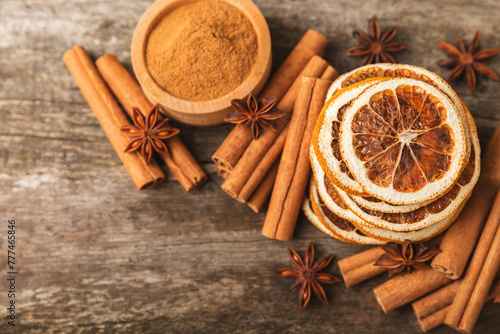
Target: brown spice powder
{"points": [[202, 50]]}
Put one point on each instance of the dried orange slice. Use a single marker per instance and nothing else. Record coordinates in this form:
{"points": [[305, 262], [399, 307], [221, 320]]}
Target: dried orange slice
{"points": [[403, 140], [416, 236], [331, 223], [432, 212], [416, 219], [375, 204], [327, 127], [403, 71], [386, 70], [336, 210]]}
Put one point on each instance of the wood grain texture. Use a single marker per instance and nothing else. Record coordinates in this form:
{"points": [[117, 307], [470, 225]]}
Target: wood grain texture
{"points": [[97, 256]]}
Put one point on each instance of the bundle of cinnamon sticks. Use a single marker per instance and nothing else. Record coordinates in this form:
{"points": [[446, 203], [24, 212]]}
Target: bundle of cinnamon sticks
{"points": [[230, 151], [250, 165], [94, 85], [480, 275], [294, 166], [432, 310]]}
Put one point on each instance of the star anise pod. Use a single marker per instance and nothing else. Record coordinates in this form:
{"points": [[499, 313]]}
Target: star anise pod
{"points": [[374, 47], [406, 255], [147, 133], [307, 275], [258, 114], [468, 61]]}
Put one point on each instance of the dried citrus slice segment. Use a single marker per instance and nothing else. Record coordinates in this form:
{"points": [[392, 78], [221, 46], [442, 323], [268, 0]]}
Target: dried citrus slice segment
{"points": [[403, 111], [418, 235], [329, 195], [325, 220], [333, 198], [375, 204], [331, 224], [468, 177], [398, 70], [432, 212], [327, 128]]}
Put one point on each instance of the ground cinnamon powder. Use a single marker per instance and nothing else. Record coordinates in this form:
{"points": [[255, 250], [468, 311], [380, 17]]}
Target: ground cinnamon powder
{"points": [[202, 50]]}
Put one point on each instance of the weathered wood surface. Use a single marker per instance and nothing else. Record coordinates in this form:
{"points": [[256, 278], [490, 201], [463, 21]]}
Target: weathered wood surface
{"points": [[95, 255]]}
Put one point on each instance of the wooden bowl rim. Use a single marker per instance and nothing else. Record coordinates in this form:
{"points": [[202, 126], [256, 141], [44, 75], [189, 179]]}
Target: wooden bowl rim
{"points": [[150, 19]]}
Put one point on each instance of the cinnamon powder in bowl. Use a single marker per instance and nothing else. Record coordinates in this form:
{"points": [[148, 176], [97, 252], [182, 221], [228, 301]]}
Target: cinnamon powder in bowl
{"points": [[202, 50], [193, 57]]}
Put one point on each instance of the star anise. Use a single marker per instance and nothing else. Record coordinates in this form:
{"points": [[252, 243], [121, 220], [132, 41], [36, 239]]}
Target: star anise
{"points": [[307, 275], [373, 47], [467, 59], [406, 255], [148, 133], [258, 114]]}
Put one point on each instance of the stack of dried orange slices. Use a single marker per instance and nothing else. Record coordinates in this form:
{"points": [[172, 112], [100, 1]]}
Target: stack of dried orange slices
{"points": [[395, 156]]}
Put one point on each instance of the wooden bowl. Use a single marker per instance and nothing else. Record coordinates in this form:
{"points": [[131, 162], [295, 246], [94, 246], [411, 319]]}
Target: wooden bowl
{"points": [[199, 112]]}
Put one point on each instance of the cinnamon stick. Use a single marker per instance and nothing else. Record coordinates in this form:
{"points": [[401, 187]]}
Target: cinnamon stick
{"points": [[255, 154], [407, 287], [479, 297], [330, 74], [223, 172], [180, 161], [273, 153], [436, 301], [258, 188], [262, 192], [484, 281], [312, 43], [459, 240], [359, 267], [476, 266], [110, 116], [294, 168], [432, 309], [263, 167], [433, 320]]}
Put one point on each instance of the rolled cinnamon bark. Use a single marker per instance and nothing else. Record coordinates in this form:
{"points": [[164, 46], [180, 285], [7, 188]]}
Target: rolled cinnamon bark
{"points": [[459, 240], [223, 172], [180, 161], [433, 320], [264, 189], [263, 167], [294, 168], [407, 287], [436, 301], [312, 43], [110, 116], [484, 282], [432, 309], [257, 150], [259, 187], [476, 266], [359, 267], [330, 74]]}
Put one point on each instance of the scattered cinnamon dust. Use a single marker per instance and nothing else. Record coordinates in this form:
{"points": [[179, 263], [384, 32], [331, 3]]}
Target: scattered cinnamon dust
{"points": [[202, 50]]}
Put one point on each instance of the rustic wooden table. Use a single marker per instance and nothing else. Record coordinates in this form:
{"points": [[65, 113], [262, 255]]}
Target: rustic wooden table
{"points": [[95, 255]]}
